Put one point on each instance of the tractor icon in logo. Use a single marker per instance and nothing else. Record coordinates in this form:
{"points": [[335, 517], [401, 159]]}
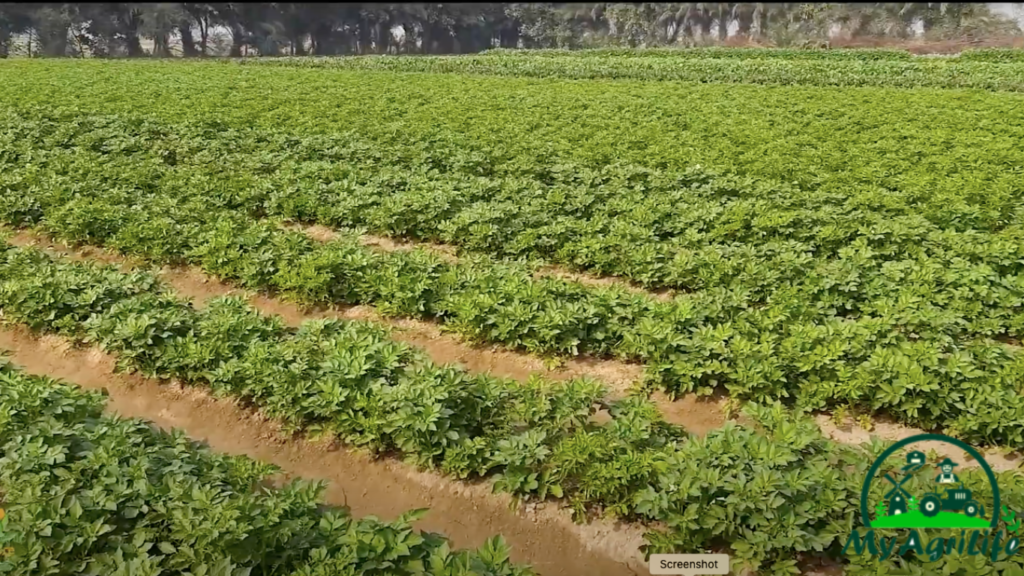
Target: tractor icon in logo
{"points": [[956, 500]]}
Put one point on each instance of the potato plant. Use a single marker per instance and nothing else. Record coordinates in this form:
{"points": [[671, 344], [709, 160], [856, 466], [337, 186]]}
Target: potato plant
{"points": [[919, 338], [984, 72], [535, 440], [90, 493], [842, 229]]}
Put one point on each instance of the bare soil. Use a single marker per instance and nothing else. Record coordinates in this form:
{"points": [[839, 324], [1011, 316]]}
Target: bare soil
{"points": [[696, 415], [192, 283], [663, 294], [468, 513], [850, 432], [448, 253]]}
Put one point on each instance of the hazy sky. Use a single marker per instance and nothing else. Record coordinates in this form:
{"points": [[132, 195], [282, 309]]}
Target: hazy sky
{"points": [[1014, 10]]}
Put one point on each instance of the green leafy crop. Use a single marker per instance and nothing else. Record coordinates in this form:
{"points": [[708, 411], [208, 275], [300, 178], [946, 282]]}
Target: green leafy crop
{"points": [[839, 228], [88, 493], [765, 494]]}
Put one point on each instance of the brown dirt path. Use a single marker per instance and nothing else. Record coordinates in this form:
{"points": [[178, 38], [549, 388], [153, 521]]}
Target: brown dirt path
{"points": [[542, 536], [381, 488], [849, 432], [696, 415], [194, 284]]}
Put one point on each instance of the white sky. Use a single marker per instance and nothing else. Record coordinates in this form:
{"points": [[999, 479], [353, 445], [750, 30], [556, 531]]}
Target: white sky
{"points": [[1011, 9]]}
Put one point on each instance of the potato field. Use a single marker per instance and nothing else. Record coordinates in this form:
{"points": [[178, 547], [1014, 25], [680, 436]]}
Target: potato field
{"points": [[582, 306]]}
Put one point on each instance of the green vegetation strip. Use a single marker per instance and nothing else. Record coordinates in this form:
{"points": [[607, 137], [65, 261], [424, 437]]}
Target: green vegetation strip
{"points": [[690, 231], [996, 74], [828, 55], [947, 155], [917, 349], [771, 495], [858, 54], [89, 493], [1003, 55], [928, 216]]}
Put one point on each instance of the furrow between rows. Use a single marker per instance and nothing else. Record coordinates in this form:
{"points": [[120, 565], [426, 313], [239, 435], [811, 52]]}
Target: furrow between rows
{"points": [[540, 535], [695, 414]]}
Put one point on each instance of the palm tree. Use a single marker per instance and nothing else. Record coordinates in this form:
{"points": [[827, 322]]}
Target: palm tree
{"points": [[158, 21], [723, 16], [744, 14]]}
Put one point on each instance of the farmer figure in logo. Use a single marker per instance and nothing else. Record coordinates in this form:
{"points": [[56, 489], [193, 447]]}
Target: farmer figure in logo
{"points": [[947, 476]]}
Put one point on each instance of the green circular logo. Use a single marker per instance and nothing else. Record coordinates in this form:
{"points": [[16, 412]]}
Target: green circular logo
{"points": [[932, 506]]}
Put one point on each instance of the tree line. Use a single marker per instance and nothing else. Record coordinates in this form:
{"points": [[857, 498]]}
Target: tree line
{"points": [[118, 29]]}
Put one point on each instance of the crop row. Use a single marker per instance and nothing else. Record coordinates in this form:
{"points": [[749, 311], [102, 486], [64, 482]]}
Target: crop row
{"points": [[348, 379], [1005, 55], [952, 157], [89, 493], [903, 358], [864, 55], [993, 55], [937, 73], [843, 257], [941, 205]]}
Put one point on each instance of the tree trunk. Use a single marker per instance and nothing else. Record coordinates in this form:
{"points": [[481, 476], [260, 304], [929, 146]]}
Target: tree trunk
{"points": [[484, 35], [237, 41], [382, 39], [687, 29], [161, 46], [54, 42], [440, 39], [744, 24], [188, 43], [134, 46], [509, 37], [204, 36], [927, 23], [5, 42], [465, 40], [298, 45], [705, 26], [322, 45], [408, 38], [79, 45], [340, 43], [723, 28], [427, 39], [365, 35]]}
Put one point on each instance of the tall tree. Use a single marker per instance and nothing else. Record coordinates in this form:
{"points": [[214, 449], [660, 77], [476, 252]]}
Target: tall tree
{"points": [[202, 16], [158, 22], [52, 23], [108, 29], [14, 19]]}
